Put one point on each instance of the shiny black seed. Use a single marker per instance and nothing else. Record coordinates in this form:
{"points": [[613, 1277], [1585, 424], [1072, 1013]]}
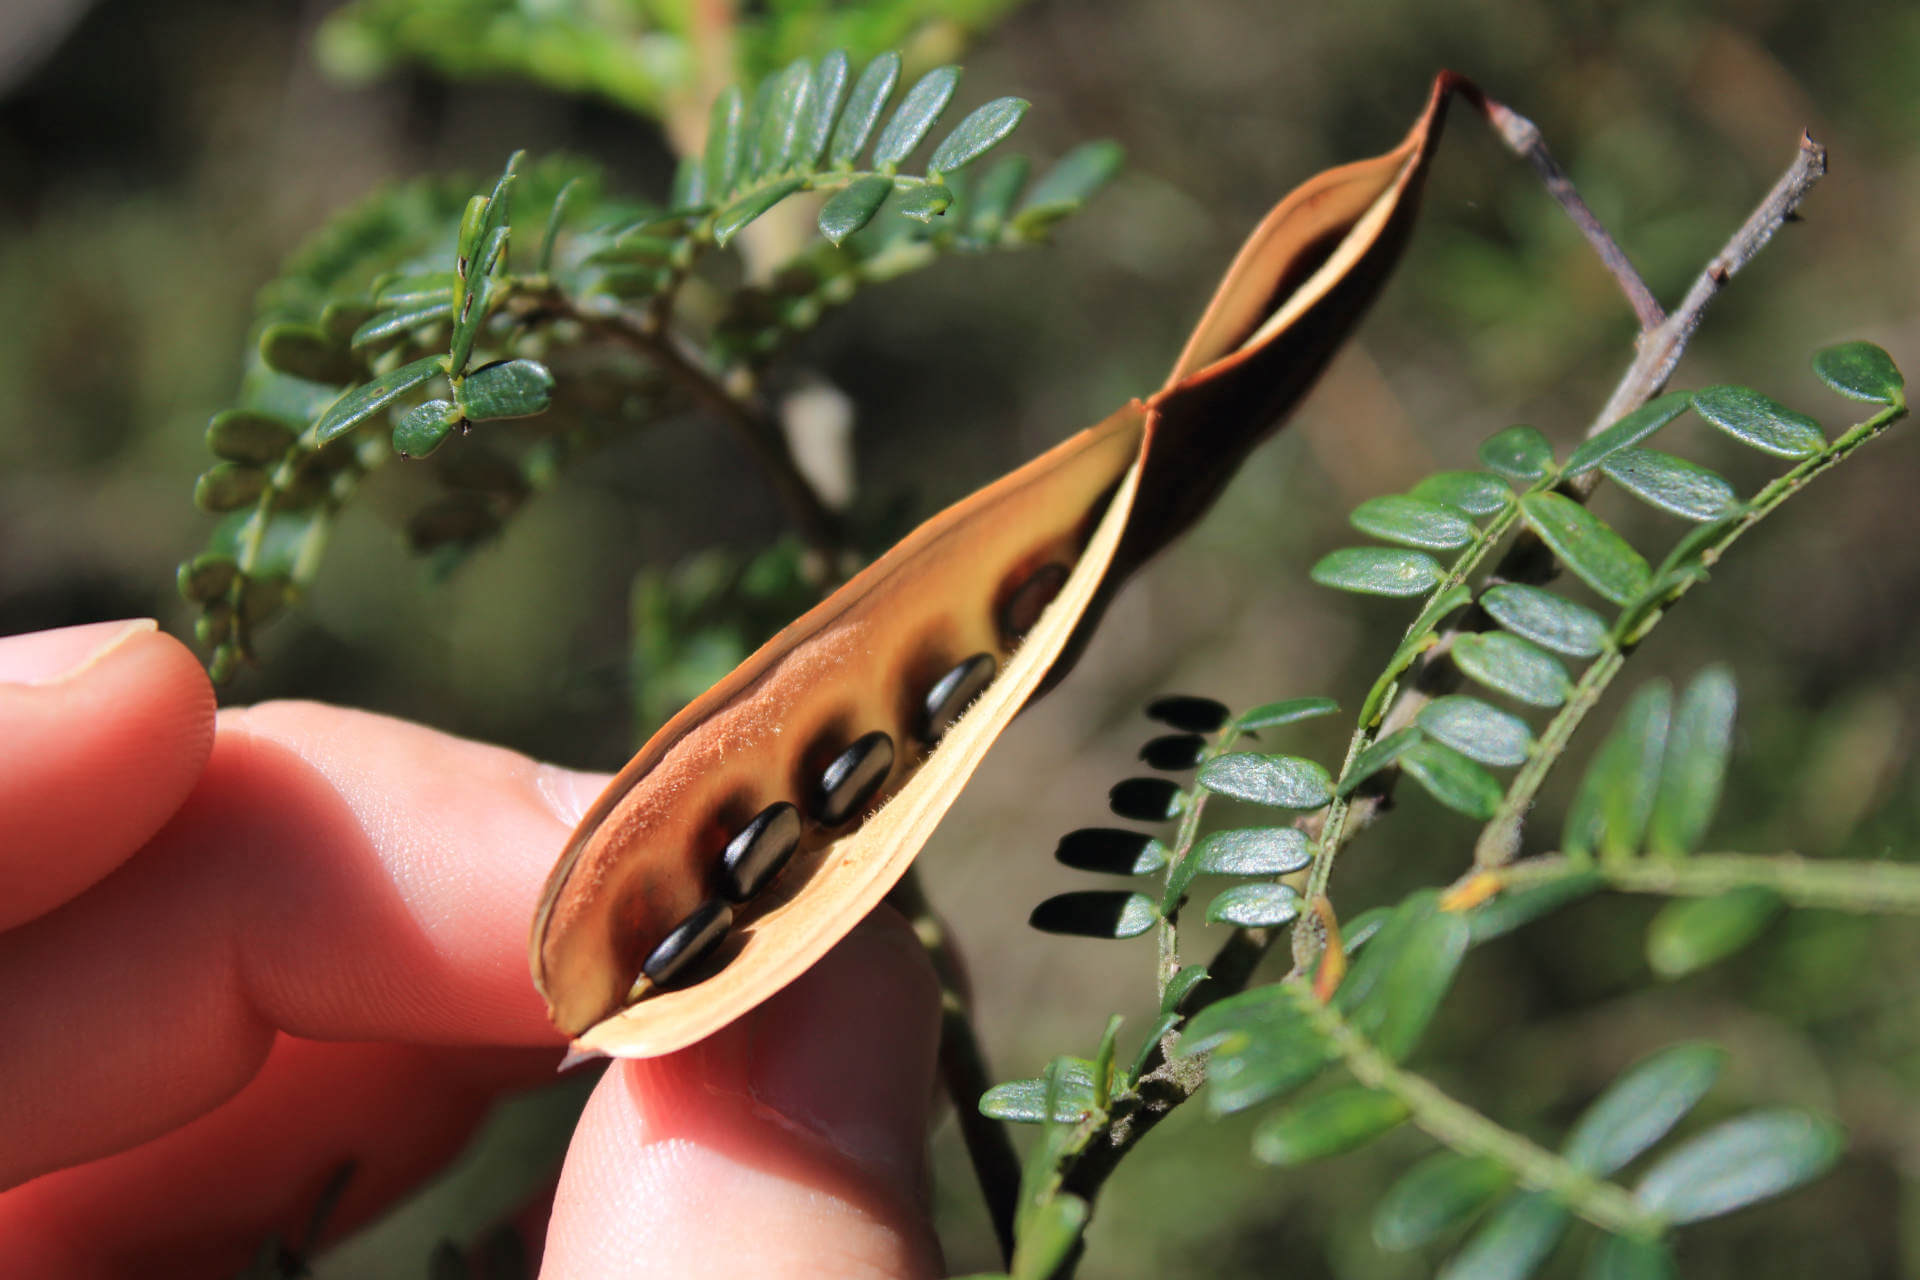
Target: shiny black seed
{"points": [[950, 695], [690, 942], [756, 855], [1174, 751], [1187, 713], [1024, 606], [1145, 799], [1111, 851], [850, 781]]}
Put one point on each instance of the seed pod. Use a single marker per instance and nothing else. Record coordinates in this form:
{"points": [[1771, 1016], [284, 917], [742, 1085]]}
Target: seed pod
{"points": [[862, 661]]}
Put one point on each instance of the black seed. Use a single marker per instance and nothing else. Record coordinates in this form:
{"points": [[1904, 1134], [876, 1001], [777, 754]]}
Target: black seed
{"points": [[1111, 850], [756, 855], [950, 695], [850, 781], [1188, 714], [691, 941], [1145, 799], [1024, 605], [1174, 751]]}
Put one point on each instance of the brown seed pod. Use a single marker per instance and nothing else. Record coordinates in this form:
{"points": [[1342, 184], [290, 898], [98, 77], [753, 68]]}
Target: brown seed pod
{"points": [[1020, 570]]}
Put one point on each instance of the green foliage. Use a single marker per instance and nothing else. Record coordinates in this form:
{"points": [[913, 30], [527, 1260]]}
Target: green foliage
{"points": [[431, 322], [1499, 1202]]}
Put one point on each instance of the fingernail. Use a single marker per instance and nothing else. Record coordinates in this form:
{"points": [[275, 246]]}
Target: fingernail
{"points": [[848, 1051], [47, 657]]}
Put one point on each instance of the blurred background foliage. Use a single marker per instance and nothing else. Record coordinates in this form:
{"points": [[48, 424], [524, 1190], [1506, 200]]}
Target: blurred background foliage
{"points": [[161, 160]]}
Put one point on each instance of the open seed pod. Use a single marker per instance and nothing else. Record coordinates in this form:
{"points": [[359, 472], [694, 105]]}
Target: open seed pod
{"points": [[690, 892]]}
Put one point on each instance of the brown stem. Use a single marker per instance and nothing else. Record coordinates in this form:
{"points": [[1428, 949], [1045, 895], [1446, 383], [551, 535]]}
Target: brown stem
{"points": [[963, 1066], [757, 427]]}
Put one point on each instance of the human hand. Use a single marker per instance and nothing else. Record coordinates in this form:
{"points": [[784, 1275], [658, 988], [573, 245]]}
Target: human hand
{"points": [[240, 951]]}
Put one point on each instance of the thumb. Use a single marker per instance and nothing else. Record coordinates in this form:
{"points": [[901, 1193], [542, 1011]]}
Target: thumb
{"points": [[103, 731], [791, 1143]]}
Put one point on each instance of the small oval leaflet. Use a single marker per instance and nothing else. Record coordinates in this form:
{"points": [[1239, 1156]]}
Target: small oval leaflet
{"points": [[1025, 1101], [1514, 667], [1628, 1258], [1473, 492], [1514, 1240], [506, 389], [1551, 621], [1413, 522], [227, 486], [1285, 782], [1631, 429], [974, 136], [304, 351], [864, 105], [1698, 743], [1378, 571], [1435, 1196], [1452, 779], [853, 206], [916, 114], [1377, 756], [1253, 851], [1692, 933], [241, 435], [1274, 714], [1255, 906], [1597, 555], [423, 428], [1862, 371], [1674, 485], [1642, 1106], [1750, 1158], [1335, 1122], [1760, 421], [1609, 811], [1477, 730], [1095, 913], [1518, 453]]}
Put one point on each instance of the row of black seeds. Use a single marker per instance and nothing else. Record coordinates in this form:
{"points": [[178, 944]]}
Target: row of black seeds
{"points": [[761, 848]]}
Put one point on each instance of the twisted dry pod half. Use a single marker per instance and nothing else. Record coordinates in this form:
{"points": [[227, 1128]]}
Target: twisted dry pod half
{"points": [[762, 822]]}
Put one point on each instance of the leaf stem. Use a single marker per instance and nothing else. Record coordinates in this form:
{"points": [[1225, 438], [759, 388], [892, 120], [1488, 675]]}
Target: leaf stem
{"points": [[1468, 1132], [963, 1066], [1859, 887]]}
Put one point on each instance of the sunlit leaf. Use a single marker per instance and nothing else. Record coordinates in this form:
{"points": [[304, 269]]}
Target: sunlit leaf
{"points": [[864, 105], [1443, 1192], [977, 134], [1274, 714], [1629, 430], [1691, 933], [1259, 905], [1515, 1239], [1286, 782], [853, 206], [1696, 764], [1862, 371], [1474, 492], [1642, 1106], [1748, 1159], [1477, 730], [1596, 554], [1025, 1101], [505, 389], [1610, 810], [1378, 571], [1253, 851], [1518, 453], [918, 110], [361, 403], [1672, 484], [1261, 1046], [1545, 618], [1760, 421], [1413, 522], [823, 106], [1452, 779], [1513, 666], [1334, 1122]]}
